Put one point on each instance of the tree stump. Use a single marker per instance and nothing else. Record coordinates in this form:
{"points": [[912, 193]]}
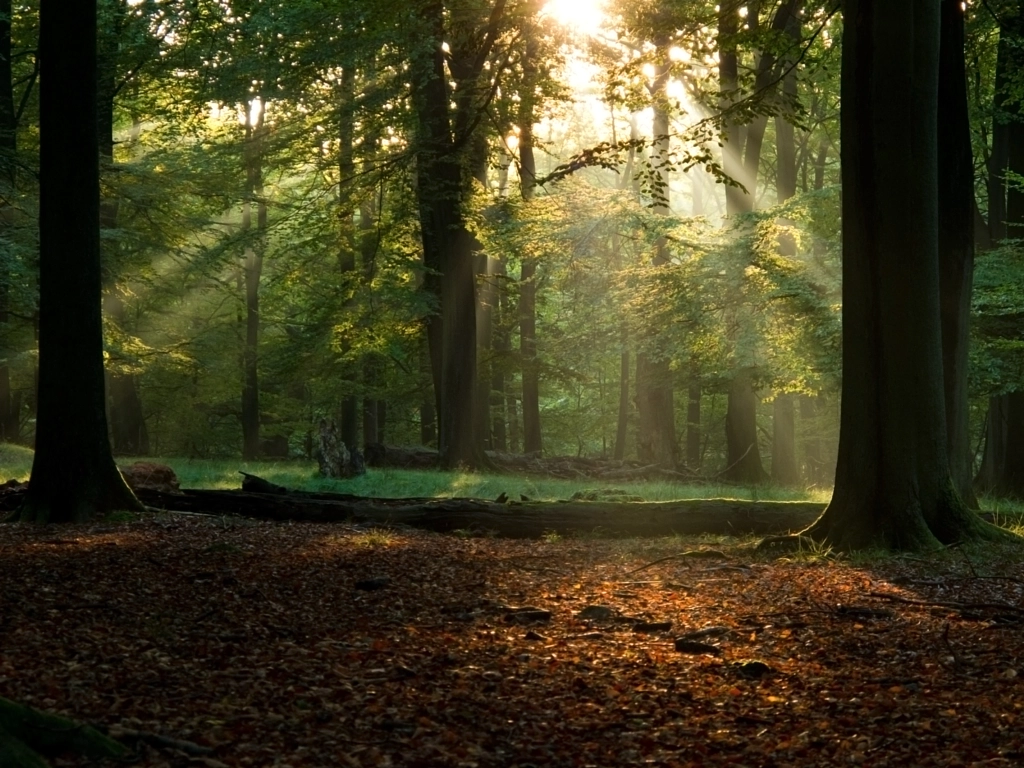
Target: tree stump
{"points": [[334, 457]]}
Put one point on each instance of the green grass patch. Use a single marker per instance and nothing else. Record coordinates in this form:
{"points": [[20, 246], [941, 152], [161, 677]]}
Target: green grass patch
{"points": [[16, 462]]}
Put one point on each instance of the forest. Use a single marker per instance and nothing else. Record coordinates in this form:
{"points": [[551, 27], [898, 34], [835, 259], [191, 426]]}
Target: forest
{"points": [[611, 382]]}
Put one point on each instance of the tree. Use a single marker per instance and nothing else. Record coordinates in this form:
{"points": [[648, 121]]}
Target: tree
{"points": [[893, 485], [73, 476]]}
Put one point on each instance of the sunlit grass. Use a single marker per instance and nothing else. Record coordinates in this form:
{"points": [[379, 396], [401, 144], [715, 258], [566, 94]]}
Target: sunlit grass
{"points": [[16, 462]]}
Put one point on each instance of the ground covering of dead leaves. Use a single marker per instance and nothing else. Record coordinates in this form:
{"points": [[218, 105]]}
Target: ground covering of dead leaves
{"points": [[303, 645]]}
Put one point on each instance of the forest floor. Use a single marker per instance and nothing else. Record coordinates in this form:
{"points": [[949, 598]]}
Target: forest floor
{"points": [[312, 645]]}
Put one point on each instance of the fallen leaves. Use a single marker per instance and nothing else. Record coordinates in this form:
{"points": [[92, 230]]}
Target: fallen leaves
{"points": [[265, 643]]}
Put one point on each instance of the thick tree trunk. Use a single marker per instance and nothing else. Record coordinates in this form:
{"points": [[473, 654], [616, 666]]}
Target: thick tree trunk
{"points": [[784, 467], [74, 477], [743, 456], [447, 247], [893, 484], [956, 244]]}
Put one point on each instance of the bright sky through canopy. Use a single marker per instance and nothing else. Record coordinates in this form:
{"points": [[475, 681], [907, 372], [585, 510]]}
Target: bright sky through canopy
{"points": [[584, 16]]}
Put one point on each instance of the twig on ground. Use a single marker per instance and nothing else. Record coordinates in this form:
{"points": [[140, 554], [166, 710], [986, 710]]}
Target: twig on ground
{"points": [[692, 553]]}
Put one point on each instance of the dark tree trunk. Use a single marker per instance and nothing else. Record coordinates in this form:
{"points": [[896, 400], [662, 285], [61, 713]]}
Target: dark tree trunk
{"points": [[956, 243], [74, 477], [743, 455], [253, 270], [728, 78], [447, 248], [893, 485], [9, 422], [349, 424]]}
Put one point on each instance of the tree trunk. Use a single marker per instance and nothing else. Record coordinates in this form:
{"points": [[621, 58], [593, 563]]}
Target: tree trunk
{"points": [[349, 425], [447, 247], [502, 347], [656, 434], [253, 270], [784, 464], [893, 484], [956, 244], [9, 422], [528, 276], [74, 477], [743, 456]]}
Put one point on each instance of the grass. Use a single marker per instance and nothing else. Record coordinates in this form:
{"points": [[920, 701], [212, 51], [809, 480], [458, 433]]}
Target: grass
{"points": [[16, 463]]}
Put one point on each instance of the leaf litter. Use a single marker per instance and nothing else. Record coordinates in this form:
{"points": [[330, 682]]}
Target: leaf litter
{"points": [[307, 645]]}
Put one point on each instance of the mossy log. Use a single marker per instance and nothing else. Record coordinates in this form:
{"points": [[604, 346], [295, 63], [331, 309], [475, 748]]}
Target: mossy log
{"points": [[28, 737]]}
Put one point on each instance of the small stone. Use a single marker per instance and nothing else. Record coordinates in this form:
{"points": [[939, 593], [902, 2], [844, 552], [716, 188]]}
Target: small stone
{"points": [[597, 613], [754, 670], [693, 647], [652, 626], [534, 636]]}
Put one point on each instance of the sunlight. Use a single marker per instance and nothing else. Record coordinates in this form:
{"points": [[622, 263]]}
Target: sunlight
{"points": [[586, 17]]}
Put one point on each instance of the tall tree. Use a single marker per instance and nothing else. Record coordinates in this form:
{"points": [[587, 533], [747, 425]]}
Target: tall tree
{"points": [[656, 433], [893, 482], [73, 476], [528, 274], [956, 243]]}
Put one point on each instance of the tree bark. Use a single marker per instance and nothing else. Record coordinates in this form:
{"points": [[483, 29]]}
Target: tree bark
{"points": [[447, 245], [74, 477], [349, 425], [528, 276], [9, 421], [656, 434], [956, 243], [253, 270], [742, 451], [893, 484]]}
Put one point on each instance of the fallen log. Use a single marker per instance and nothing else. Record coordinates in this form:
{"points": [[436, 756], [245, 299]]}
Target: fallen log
{"points": [[521, 520]]}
